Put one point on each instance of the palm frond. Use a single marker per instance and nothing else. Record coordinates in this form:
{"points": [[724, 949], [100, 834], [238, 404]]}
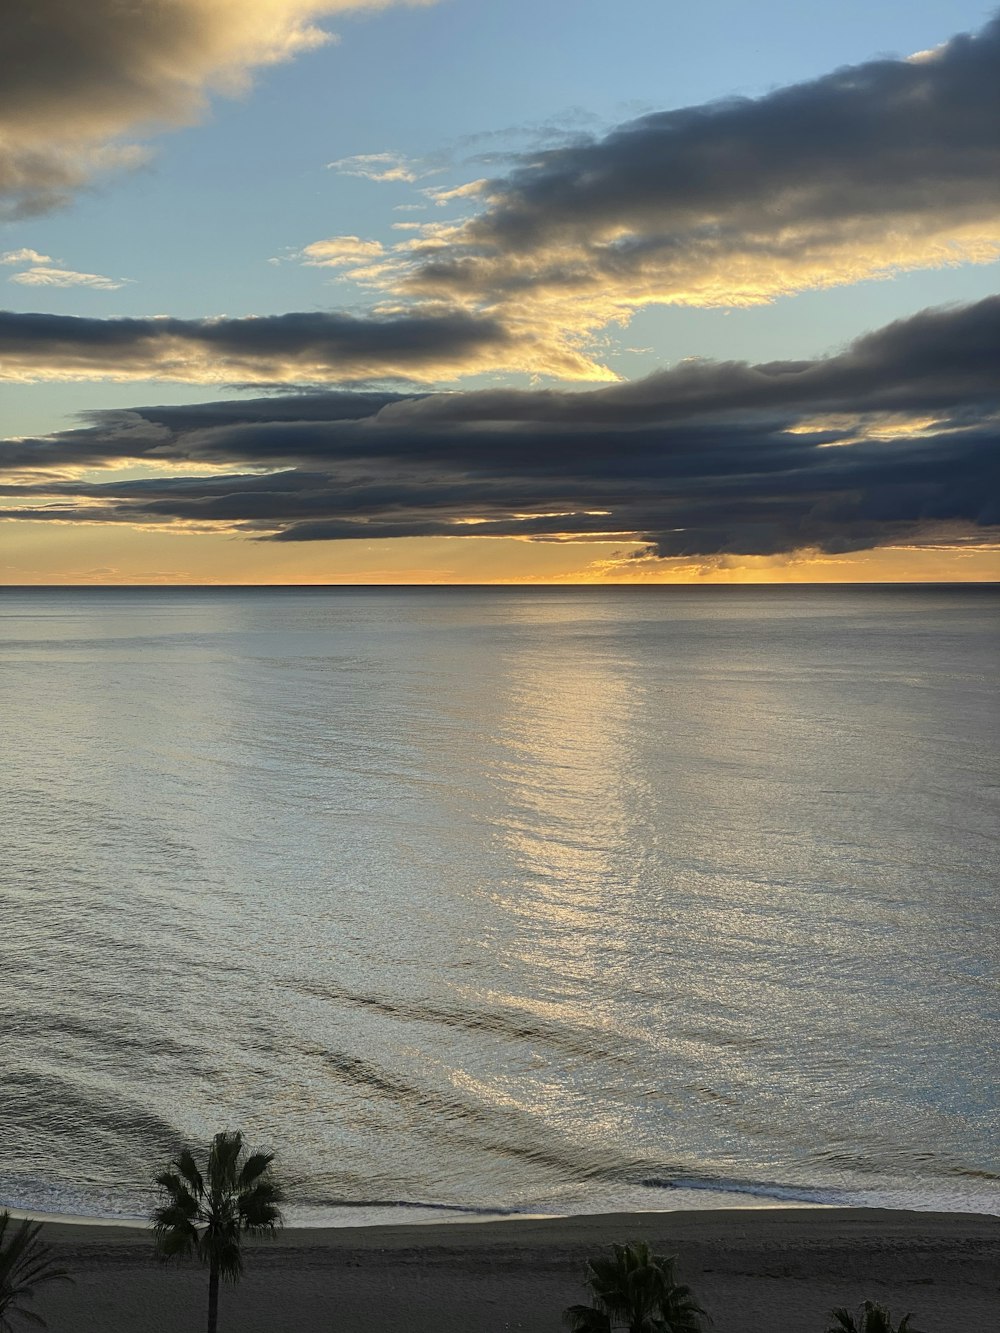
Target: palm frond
{"points": [[180, 1196], [585, 1319], [30, 1317], [229, 1259], [254, 1167], [222, 1162], [870, 1318], [636, 1289], [877, 1318], [173, 1214], [681, 1312], [188, 1168], [259, 1209], [26, 1264], [845, 1321], [174, 1235]]}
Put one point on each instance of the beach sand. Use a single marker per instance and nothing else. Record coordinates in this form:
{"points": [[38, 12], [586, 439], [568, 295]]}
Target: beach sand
{"points": [[752, 1269]]}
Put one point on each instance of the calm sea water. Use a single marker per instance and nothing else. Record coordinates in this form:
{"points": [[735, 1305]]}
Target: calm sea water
{"points": [[544, 900]]}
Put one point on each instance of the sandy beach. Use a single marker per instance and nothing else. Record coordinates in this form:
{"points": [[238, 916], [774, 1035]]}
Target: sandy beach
{"points": [[752, 1269]]}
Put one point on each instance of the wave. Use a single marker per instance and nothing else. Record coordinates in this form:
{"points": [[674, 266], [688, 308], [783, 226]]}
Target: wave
{"points": [[756, 1189], [511, 1024], [418, 1205]]}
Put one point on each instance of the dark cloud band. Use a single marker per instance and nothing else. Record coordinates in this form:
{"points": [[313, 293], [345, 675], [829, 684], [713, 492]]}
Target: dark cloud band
{"points": [[296, 346], [892, 439]]}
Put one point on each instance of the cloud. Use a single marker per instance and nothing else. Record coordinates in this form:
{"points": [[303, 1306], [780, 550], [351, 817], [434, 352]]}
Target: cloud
{"points": [[338, 251], [892, 442], [442, 195], [411, 345], [384, 167], [45, 276], [24, 256], [75, 77], [44, 271], [869, 171]]}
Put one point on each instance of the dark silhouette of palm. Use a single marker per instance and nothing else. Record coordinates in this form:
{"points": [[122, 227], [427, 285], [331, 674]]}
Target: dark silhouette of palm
{"points": [[25, 1264], [635, 1289], [207, 1213], [871, 1318]]}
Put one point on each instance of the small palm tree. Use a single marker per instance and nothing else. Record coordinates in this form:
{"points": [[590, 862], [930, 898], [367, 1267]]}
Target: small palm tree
{"points": [[208, 1213], [871, 1318], [25, 1263], [635, 1289]]}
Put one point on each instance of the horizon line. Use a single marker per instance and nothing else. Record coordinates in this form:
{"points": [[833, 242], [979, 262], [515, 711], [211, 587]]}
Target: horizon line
{"points": [[497, 587]]}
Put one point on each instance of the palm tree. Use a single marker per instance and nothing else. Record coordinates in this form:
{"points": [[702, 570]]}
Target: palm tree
{"points": [[871, 1318], [208, 1213], [25, 1263], [634, 1289]]}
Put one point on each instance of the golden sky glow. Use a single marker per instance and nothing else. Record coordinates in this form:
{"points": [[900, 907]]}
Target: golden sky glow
{"points": [[71, 554]]}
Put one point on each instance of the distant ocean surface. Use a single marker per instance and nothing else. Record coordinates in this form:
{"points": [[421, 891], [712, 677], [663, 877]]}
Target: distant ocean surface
{"points": [[499, 900]]}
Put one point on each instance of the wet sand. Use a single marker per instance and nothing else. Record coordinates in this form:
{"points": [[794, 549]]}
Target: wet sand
{"points": [[754, 1270]]}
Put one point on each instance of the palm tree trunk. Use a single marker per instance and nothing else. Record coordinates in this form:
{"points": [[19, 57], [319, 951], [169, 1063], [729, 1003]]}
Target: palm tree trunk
{"points": [[213, 1298]]}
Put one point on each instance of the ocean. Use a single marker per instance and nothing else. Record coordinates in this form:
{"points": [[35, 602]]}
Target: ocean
{"points": [[481, 901]]}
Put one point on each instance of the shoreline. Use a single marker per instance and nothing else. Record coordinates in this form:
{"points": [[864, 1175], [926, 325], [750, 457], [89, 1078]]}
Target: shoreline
{"points": [[70, 1223], [68, 1231], [356, 1217], [750, 1268]]}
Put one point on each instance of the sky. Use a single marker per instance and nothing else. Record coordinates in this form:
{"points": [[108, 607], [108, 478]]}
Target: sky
{"points": [[300, 291]]}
